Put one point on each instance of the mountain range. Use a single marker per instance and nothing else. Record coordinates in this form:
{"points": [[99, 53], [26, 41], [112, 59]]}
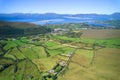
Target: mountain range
{"points": [[53, 18]]}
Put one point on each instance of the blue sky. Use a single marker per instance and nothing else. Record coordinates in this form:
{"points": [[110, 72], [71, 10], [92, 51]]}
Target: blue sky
{"points": [[60, 6]]}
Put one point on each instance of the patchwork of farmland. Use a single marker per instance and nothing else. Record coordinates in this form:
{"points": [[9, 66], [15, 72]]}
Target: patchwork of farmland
{"points": [[91, 57]]}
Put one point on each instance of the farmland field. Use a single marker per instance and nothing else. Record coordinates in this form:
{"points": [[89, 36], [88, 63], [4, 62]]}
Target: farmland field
{"points": [[105, 66], [101, 34], [59, 40], [93, 56]]}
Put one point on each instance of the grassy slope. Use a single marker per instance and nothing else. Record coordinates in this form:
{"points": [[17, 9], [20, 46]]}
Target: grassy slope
{"points": [[101, 34], [112, 42], [105, 67], [26, 68], [23, 71], [106, 62]]}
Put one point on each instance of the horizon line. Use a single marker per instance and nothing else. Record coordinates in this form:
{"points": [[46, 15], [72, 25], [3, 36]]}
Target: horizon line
{"points": [[56, 13]]}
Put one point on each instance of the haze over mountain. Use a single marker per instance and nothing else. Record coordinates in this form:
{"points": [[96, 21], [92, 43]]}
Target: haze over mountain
{"points": [[53, 18], [35, 11]]}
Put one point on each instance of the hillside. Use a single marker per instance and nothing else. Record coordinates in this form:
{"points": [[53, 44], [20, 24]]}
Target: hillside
{"points": [[19, 25], [21, 28]]}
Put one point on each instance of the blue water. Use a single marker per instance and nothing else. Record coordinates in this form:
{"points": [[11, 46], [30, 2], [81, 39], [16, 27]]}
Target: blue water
{"points": [[39, 22]]}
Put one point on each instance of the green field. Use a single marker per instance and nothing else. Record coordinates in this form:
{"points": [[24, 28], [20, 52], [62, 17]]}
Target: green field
{"points": [[93, 59]]}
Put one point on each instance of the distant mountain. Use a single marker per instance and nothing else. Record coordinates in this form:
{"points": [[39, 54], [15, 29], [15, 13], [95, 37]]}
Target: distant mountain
{"points": [[116, 16], [57, 16], [53, 18]]}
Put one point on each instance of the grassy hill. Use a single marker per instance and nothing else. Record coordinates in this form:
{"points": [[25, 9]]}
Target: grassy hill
{"points": [[21, 28]]}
